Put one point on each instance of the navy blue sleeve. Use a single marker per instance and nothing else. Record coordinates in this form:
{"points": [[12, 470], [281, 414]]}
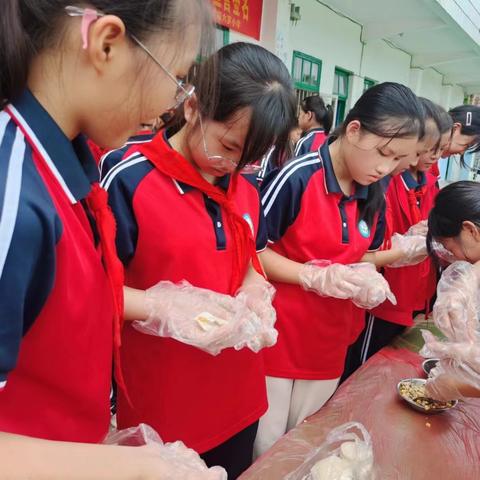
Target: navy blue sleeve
{"points": [[379, 234], [266, 166], [282, 193], [29, 231], [304, 145], [262, 234], [121, 178]]}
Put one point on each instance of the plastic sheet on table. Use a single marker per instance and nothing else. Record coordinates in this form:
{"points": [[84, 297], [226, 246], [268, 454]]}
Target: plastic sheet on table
{"points": [[407, 445]]}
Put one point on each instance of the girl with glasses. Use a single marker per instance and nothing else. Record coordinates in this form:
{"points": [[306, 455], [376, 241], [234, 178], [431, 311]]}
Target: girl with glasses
{"points": [[187, 211], [69, 70]]}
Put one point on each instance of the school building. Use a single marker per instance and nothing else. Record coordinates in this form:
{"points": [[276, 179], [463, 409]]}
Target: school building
{"points": [[339, 48]]}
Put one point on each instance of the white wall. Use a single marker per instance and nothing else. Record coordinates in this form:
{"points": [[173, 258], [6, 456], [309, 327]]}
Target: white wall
{"points": [[329, 37], [383, 63], [431, 85], [335, 40]]}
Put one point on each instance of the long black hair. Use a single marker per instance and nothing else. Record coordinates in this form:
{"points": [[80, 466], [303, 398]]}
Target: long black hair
{"points": [[27, 27], [323, 113], [251, 76], [468, 116], [388, 110], [442, 120], [454, 204]]}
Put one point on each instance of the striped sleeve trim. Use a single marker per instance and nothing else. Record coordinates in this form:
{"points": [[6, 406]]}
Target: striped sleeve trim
{"points": [[15, 157], [276, 186], [130, 161]]}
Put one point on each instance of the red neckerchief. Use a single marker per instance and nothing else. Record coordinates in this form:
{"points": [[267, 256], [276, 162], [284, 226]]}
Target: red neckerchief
{"points": [[97, 201], [415, 196], [174, 165]]}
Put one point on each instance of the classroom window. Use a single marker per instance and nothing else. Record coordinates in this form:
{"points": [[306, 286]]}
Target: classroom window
{"points": [[306, 73], [368, 83], [340, 88]]}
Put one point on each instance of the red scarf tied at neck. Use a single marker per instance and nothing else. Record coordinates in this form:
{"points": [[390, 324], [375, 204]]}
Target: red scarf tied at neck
{"points": [[174, 165]]}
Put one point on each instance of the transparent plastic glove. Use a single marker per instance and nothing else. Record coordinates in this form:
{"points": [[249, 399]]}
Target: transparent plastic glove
{"points": [[442, 385], [459, 364], [359, 282], [414, 248], [179, 462], [259, 297], [199, 317], [446, 257], [455, 311], [420, 228]]}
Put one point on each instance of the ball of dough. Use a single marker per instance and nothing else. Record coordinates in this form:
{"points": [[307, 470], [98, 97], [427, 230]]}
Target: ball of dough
{"points": [[332, 468]]}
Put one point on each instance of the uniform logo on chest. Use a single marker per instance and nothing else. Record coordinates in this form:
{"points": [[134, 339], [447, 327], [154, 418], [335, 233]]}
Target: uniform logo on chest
{"points": [[248, 219], [363, 229]]}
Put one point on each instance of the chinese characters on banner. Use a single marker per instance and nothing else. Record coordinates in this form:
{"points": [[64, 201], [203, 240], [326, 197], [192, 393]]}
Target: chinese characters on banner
{"points": [[244, 16]]}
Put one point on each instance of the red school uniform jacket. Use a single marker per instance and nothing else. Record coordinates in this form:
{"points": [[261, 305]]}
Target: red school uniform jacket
{"points": [[408, 202], [56, 308], [309, 217], [168, 230], [310, 142]]}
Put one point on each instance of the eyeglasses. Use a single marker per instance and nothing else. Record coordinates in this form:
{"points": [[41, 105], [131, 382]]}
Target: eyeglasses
{"points": [[224, 163], [184, 91]]}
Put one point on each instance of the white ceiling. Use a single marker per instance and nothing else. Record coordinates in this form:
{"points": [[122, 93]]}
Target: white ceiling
{"points": [[429, 30]]}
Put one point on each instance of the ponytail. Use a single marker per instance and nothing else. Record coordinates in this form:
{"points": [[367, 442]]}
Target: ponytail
{"points": [[468, 116], [328, 119], [323, 113], [15, 52]]}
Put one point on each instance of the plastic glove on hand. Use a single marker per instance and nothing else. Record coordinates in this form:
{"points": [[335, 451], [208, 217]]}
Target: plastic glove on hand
{"points": [[374, 288], [442, 386], [358, 282], [459, 364], [170, 460], [259, 297], [420, 228], [455, 311], [199, 317], [414, 248]]}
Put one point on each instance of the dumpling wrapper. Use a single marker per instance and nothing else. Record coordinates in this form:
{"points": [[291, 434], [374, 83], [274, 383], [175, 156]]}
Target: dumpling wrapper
{"points": [[206, 321]]}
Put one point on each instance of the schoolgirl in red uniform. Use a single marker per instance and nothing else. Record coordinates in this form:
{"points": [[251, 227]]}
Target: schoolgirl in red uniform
{"points": [[326, 205], [465, 135], [315, 119], [410, 197], [174, 203], [61, 284]]}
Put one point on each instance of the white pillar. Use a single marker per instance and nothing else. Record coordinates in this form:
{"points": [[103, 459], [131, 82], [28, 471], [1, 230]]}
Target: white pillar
{"points": [[275, 34], [356, 86]]}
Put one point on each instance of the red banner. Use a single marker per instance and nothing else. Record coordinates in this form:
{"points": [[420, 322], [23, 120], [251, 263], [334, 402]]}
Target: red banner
{"points": [[244, 16]]}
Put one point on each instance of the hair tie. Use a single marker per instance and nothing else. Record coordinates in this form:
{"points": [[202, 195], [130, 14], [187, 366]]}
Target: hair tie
{"points": [[468, 122]]}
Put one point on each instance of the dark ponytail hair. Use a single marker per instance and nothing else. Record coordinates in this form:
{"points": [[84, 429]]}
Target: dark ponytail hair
{"points": [[389, 110], [468, 116], [323, 113], [454, 204], [29, 26], [251, 76], [443, 121]]}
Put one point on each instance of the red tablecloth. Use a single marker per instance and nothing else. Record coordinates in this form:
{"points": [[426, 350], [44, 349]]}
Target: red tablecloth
{"points": [[407, 444]]}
